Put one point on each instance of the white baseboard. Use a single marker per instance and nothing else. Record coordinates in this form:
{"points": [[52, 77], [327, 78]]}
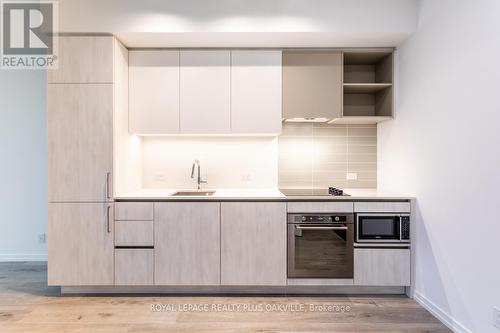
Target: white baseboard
{"points": [[437, 312], [22, 257]]}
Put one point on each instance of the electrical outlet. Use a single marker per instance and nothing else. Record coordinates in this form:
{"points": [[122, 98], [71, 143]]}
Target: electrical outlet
{"points": [[496, 317], [351, 176], [42, 238], [246, 177]]}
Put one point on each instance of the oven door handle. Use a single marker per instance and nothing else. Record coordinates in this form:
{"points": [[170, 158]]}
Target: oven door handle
{"points": [[298, 227]]}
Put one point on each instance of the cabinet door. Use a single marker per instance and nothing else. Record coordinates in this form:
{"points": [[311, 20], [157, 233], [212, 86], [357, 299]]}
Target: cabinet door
{"points": [[312, 84], [382, 267], [83, 59], [205, 92], [256, 91], [80, 127], [154, 92], [81, 244], [187, 243], [253, 243], [134, 267]]}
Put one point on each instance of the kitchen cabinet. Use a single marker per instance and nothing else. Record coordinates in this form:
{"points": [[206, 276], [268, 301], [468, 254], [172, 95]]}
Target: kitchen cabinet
{"points": [[134, 267], [382, 207], [80, 142], [86, 96], [205, 92], [253, 243], [81, 244], [134, 233], [154, 92], [133, 211], [312, 84], [367, 86], [83, 59], [320, 207], [256, 91], [382, 267], [187, 243]]}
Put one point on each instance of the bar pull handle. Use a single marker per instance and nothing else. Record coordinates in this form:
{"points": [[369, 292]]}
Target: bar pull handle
{"points": [[108, 192], [108, 222], [320, 228]]}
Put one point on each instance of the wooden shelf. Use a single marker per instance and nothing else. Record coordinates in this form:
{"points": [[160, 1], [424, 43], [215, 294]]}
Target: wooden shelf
{"points": [[365, 88]]}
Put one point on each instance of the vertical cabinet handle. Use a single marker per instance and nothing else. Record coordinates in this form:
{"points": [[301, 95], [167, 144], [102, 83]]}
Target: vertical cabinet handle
{"points": [[108, 223], [108, 195]]}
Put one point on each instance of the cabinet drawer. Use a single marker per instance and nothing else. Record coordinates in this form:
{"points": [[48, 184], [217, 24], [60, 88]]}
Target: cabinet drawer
{"points": [[381, 207], [134, 211], [134, 233], [382, 267], [133, 267], [320, 207]]}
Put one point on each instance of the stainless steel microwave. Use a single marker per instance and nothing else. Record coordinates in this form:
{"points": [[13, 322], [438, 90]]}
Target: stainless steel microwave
{"points": [[382, 228]]}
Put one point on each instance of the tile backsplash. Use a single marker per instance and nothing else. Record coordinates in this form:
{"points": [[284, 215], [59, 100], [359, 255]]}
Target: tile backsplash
{"points": [[315, 156]]}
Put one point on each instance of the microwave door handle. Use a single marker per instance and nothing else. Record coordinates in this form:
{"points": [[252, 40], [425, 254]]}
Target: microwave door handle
{"points": [[400, 228], [320, 228]]}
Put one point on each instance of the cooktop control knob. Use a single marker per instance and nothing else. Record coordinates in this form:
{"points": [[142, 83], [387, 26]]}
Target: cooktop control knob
{"points": [[337, 218]]}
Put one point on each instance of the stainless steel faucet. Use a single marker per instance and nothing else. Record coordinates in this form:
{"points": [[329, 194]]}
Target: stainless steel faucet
{"points": [[200, 181]]}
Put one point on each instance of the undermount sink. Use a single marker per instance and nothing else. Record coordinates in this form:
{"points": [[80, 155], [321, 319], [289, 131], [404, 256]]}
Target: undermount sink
{"points": [[193, 193]]}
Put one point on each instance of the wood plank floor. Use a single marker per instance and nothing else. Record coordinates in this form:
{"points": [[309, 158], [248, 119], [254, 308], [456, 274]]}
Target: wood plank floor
{"points": [[28, 305]]}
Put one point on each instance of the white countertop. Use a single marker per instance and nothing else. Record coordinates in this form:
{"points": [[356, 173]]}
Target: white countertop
{"points": [[258, 194]]}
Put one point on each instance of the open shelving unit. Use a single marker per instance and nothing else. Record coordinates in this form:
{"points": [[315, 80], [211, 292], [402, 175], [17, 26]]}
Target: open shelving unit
{"points": [[367, 86]]}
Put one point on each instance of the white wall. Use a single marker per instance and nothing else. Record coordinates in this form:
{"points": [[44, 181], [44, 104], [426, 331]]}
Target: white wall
{"points": [[23, 167], [196, 23], [226, 162], [444, 147]]}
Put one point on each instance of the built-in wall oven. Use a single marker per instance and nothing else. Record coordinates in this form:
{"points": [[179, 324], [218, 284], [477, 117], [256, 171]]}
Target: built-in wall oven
{"points": [[320, 245], [382, 228]]}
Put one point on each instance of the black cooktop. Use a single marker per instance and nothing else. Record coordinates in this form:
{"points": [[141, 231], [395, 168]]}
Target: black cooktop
{"points": [[332, 191]]}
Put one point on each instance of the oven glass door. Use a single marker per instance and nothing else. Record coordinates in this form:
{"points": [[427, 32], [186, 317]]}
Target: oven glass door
{"points": [[320, 251], [378, 228]]}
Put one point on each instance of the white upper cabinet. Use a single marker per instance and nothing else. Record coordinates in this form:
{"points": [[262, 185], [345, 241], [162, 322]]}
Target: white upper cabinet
{"points": [[205, 92], [154, 92], [256, 91]]}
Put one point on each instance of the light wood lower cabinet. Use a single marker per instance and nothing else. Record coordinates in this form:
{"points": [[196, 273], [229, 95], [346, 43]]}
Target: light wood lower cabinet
{"points": [[382, 267], [80, 244], [134, 233], [253, 243], [134, 211], [187, 243], [134, 267]]}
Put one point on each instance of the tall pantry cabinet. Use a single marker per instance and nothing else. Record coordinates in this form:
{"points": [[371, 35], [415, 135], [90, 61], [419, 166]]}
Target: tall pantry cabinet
{"points": [[82, 95]]}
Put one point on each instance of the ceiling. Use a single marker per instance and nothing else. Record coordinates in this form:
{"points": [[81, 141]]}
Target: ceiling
{"points": [[244, 23]]}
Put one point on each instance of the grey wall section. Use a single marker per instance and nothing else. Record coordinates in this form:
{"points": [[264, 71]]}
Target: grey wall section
{"points": [[23, 167], [444, 148]]}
